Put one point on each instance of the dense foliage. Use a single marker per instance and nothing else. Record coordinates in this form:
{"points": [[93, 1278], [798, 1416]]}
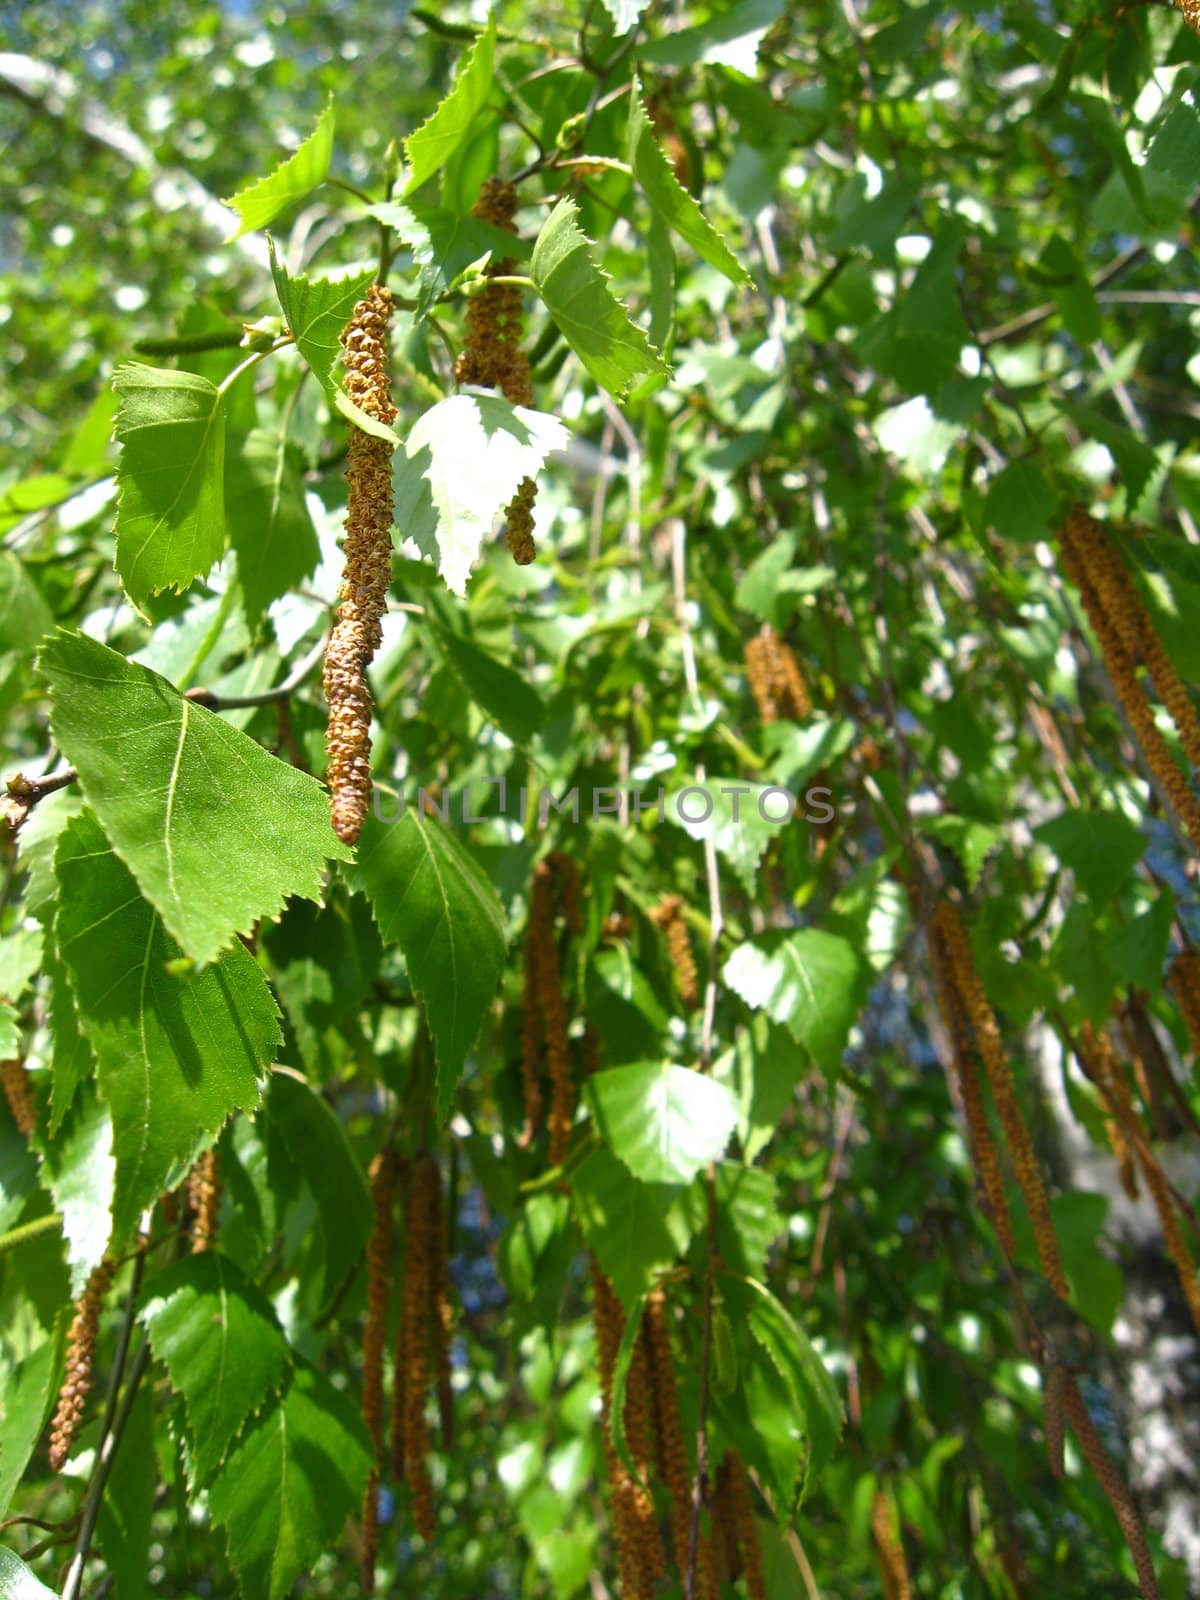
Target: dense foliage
{"points": [[630, 1143]]}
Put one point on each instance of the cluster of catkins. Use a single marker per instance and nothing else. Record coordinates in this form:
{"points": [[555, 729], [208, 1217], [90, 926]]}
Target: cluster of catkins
{"points": [[492, 356], [1129, 640], [654, 1434], [893, 1568], [421, 1350], [975, 1038], [776, 681], [545, 1025], [367, 571]]}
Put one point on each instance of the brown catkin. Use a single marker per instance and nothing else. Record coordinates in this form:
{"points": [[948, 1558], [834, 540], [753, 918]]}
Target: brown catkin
{"points": [[367, 568], [725, 1535], [379, 1282], [418, 1290], [1123, 676], [81, 1356], [1191, 12], [492, 357], [637, 1568], [1185, 985], [985, 1155], [671, 1455], [18, 1091], [1004, 1091], [204, 1200], [742, 1505], [1113, 1485], [1133, 623], [1054, 1391], [441, 1314], [1098, 1059], [668, 915], [758, 675], [892, 1565]]}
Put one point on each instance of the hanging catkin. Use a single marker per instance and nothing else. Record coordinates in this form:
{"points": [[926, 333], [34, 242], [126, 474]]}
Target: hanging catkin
{"points": [[492, 356], [379, 1282], [18, 1091], [418, 1297], [742, 1505], [1113, 1485], [775, 678], [893, 1567], [1004, 1091], [81, 1356], [556, 1023], [367, 571], [546, 1015], [1185, 985], [668, 915], [399, 1450], [725, 1535], [1110, 578], [1098, 1059], [204, 1200], [1074, 543], [1191, 12], [985, 1155], [442, 1317], [639, 1550]]}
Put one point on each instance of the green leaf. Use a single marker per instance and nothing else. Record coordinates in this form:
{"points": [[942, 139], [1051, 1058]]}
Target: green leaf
{"points": [[269, 525], [1175, 152], [806, 1380], [316, 310], [622, 1220], [24, 614], [27, 1396], [504, 695], [217, 1335], [128, 1504], [460, 466], [669, 199], [577, 296], [1137, 952], [71, 1059], [170, 480], [323, 960], [205, 794], [740, 818], [747, 1221], [316, 1141], [1020, 503], [809, 981], [664, 1122], [919, 341], [1100, 847], [78, 1170], [1064, 275], [176, 1055], [304, 169], [289, 1484], [1135, 460], [436, 140], [17, 1582], [10, 1032], [971, 840], [430, 897]]}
